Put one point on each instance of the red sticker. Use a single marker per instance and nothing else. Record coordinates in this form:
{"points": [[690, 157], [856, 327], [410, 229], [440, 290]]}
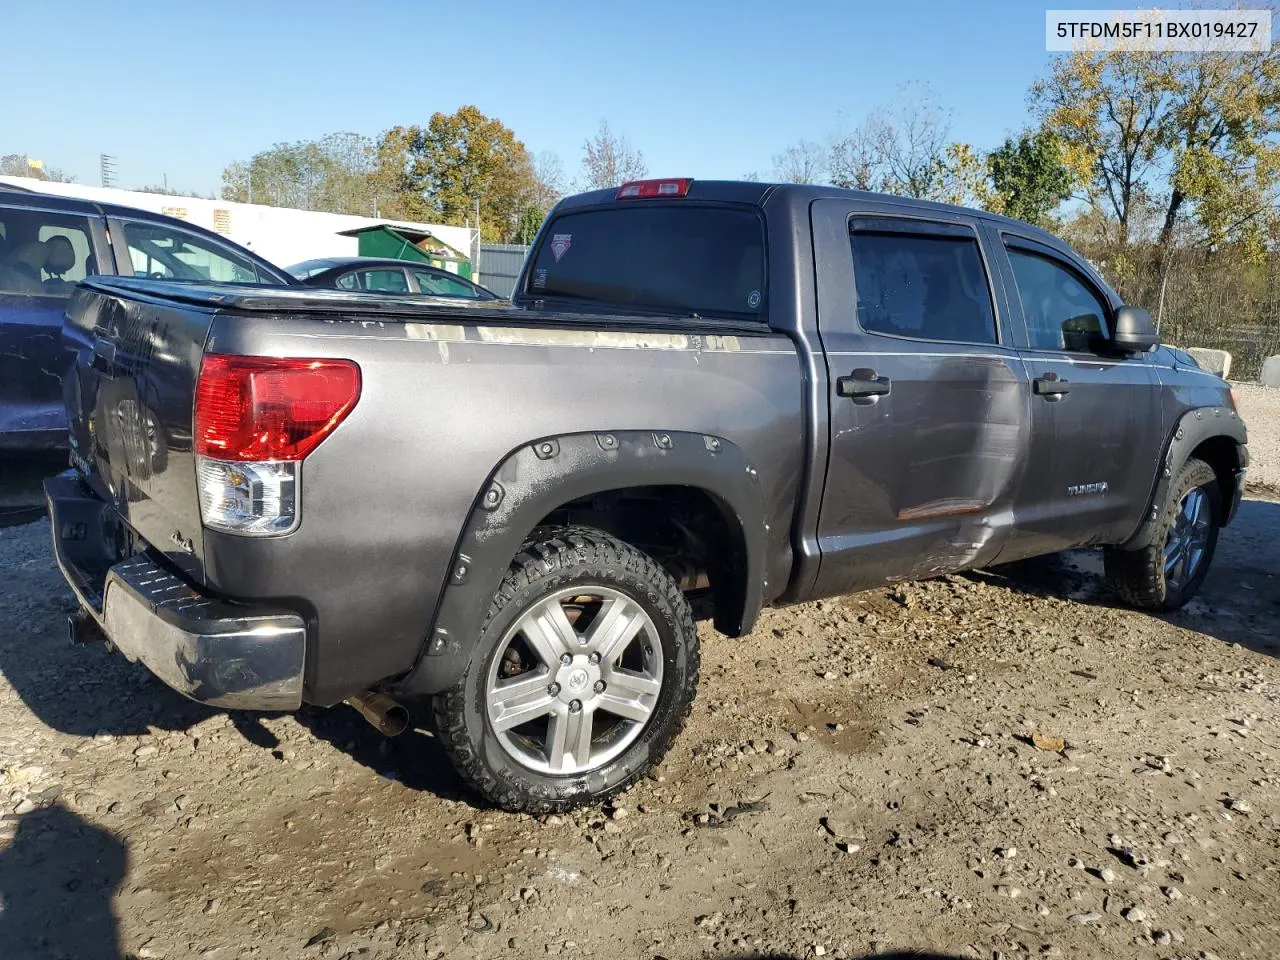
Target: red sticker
{"points": [[560, 245]]}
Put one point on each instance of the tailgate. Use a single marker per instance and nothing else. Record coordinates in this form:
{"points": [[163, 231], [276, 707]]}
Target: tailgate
{"points": [[130, 403]]}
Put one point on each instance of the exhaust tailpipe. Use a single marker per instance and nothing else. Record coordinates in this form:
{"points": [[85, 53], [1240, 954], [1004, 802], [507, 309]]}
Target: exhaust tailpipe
{"points": [[82, 628], [388, 717]]}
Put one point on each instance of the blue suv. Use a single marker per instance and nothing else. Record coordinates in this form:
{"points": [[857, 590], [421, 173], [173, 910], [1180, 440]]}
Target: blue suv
{"points": [[49, 243]]}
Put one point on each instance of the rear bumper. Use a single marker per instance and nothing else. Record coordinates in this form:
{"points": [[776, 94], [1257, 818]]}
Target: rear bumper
{"points": [[210, 650]]}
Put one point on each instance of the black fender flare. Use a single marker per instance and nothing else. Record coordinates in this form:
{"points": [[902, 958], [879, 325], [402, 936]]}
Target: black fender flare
{"points": [[1192, 429], [537, 478]]}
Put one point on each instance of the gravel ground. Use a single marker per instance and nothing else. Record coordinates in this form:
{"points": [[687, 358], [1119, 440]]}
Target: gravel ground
{"points": [[862, 775], [1260, 407]]}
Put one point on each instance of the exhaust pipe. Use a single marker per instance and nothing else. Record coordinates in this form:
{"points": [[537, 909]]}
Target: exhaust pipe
{"points": [[388, 717], [82, 628]]}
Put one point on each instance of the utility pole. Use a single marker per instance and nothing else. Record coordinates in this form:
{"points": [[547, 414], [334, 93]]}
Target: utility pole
{"points": [[107, 169]]}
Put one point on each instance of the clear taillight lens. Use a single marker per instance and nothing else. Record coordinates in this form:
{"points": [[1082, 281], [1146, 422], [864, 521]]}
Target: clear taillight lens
{"points": [[248, 498], [256, 419]]}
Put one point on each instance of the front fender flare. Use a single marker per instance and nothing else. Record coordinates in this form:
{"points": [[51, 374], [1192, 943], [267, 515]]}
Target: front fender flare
{"points": [[539, 477], [1192, 429]]}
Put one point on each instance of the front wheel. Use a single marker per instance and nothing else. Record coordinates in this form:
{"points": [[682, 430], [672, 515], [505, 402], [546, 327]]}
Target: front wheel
{"points": [[1166, 573], [586, 666]]}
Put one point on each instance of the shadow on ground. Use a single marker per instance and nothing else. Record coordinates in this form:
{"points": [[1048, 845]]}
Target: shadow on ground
{"points": [[1238, 603], [896, 955], [57, 880], [415, 758], [21, 490]]}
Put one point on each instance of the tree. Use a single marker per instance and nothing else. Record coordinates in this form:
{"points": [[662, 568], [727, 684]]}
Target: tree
{"points": [[439, 172], [1221, 128], [609, 160], [548, 188], [1029, 176], [802, 162], [166, 190], [1191, 132], [335, 174], [19, 165], [903, 149]]}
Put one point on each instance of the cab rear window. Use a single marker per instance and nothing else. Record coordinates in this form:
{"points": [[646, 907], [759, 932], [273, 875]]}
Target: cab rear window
{"points": [[677, 258]]}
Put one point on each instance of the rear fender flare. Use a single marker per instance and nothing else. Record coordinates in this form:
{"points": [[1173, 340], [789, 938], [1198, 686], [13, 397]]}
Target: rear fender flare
{"points": [[1192, 429], [542, 476]]}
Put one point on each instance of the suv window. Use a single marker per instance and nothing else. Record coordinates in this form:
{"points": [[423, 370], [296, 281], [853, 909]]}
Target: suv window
{"points": [[922, 285], [1062, 312], [165, 252], [384, 281], [445, 286], [43, 253]]}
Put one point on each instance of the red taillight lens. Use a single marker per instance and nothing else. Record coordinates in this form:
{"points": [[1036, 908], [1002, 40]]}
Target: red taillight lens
{"points": [[270, 408], [644, 189]]}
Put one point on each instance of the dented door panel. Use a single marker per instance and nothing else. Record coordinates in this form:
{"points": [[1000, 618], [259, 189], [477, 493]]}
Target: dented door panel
{"points": [[922, 482], [921, 479]]}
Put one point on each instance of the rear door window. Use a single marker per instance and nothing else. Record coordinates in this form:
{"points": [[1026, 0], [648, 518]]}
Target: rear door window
{"points": [[681, 258], [442, 285], [165, 252], [43, 253], [928, 285], [384, 281]]}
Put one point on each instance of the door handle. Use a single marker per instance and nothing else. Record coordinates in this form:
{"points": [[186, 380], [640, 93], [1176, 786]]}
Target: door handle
{"points": [[1050, 386], [863, 383]]}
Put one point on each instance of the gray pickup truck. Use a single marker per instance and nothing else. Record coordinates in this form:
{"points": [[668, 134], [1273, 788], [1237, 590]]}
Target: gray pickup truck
{"points": [[704, 397]]}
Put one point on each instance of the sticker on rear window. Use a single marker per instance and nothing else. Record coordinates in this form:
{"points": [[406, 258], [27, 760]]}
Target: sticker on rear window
{"points": [[540, 278], [753, 299], [560, 245]]}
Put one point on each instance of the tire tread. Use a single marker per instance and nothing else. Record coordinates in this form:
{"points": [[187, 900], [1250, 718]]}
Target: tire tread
{"points": [[548, 550]]}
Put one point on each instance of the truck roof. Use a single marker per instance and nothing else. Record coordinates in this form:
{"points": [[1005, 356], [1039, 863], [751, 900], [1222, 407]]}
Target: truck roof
{"points": [[801, 195]]}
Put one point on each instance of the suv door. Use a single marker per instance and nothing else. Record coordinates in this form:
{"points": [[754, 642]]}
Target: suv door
{"points": [[1095, 423], [929, 420], [43, 254]]}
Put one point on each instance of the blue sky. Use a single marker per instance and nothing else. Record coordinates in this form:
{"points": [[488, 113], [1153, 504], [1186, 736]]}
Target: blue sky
{"points": [[705, 89]]}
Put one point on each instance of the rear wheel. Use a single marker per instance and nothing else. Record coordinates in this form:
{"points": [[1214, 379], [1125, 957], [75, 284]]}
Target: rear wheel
{"points": [[585, 669], [1167, 573]]}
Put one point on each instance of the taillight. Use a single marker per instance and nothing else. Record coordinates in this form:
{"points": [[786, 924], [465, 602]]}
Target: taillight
{"points": [[256, 418], [644, 189]]}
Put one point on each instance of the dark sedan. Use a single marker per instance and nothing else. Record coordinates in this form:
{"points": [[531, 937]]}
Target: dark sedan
{"points": [[380, 275]]}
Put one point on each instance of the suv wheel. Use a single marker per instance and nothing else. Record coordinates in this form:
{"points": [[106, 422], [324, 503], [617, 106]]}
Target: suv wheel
{"points": [[585, 669], [1168, 572]]}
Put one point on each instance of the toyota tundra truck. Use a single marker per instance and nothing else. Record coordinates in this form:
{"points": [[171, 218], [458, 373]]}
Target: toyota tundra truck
{"points": [[704, 397]]}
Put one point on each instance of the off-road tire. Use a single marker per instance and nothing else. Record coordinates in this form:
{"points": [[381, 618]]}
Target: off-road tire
{"points": [[1137, 577], [551, 560]]}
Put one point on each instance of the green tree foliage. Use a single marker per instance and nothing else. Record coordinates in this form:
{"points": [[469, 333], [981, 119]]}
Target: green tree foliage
{"points": [[1029, 177], [440, 171], [334, 174], [1192, 133]]}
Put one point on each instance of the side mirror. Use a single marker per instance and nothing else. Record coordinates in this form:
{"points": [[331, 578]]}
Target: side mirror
{"points": [[1134, 332]]}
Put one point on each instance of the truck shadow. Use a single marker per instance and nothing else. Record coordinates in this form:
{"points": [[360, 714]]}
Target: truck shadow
{"points": [[1238, 603], [57, 880], [414, 758]]}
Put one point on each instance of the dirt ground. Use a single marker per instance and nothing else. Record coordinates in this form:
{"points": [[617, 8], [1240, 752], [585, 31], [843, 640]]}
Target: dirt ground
{"points": [[859, 776]]}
